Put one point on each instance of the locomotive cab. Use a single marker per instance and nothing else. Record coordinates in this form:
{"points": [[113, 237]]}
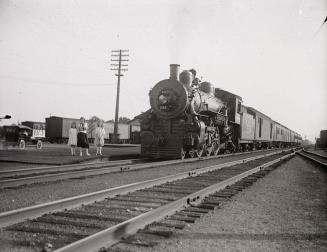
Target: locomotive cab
{"points": [[234, 104], [235, 111]]}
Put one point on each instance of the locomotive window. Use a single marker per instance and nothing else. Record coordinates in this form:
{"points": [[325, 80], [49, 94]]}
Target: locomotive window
{"points": [[271, 127], [238, 107], [260, 126]]}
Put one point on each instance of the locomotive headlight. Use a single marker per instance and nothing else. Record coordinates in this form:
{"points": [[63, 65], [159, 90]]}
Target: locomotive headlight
{"points": [[162, 99]]}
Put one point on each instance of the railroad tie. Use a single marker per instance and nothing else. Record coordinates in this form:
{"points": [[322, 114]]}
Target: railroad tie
{"points": [[28, 229], [162, 233], [189, 214], [51, 220], [179, 217], [193, 209], [82, 215], [169, 225], [207, 206], [138, 241]]}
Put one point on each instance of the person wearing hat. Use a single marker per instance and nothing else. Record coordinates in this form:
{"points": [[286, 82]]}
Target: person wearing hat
{"points": [[196, 81]]}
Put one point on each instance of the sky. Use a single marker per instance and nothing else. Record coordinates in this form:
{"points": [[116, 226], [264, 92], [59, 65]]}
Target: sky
{"points": [[55, 55]]}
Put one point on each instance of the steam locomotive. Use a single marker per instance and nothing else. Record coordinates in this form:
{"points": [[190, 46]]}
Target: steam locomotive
{"points": [[191, 118]]}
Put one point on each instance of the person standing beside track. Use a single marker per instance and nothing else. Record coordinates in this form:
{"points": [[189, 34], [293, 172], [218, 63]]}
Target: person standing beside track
{"points": [[82, 141], [99, 137], [72, 140]]}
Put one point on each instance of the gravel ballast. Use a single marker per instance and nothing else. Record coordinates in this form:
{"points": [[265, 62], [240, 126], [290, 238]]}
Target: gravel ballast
{"points": [[284, 211]]}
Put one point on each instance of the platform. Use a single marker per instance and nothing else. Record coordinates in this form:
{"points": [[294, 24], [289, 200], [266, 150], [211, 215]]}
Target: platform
{"points": [[59, 154]]}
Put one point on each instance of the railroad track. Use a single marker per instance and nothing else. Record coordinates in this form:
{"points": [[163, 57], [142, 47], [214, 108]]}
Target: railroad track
{"points": [[13, 178], [17, 177], [100, 219], [315, 157]]}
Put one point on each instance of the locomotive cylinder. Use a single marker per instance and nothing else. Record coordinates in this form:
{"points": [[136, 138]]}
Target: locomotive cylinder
{"points": [[174, 71]]}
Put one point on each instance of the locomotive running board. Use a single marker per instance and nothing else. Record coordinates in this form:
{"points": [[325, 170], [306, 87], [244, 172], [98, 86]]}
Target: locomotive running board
{"points": [[112, 235], [19, 215]]}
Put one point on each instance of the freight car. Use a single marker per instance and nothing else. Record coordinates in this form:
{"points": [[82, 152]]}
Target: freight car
{"points": [[192, 118], [322, 143], [57, 130], [123, 132]]}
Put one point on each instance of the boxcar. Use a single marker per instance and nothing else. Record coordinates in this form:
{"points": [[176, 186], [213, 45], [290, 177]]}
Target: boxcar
{"points": [[57, 128], [323, 138], [123, 132]]}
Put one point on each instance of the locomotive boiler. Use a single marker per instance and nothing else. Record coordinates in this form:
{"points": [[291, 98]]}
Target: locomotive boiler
{"points": [[186, 118]]}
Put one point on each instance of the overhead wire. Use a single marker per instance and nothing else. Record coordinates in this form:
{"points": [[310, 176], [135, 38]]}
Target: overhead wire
{"points": [[31, 80]]}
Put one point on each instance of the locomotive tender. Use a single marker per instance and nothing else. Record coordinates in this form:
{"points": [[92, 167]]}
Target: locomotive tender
{"points": [[192, 118]]}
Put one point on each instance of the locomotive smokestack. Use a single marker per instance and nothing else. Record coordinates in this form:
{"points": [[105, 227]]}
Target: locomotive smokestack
{"points": [[174, 71]]}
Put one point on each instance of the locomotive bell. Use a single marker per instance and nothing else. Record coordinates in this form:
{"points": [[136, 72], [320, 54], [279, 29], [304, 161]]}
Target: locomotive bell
{"points": [[186, 78]]}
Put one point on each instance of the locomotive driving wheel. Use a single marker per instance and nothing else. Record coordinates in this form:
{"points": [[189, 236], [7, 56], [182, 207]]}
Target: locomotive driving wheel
{"points": [[215, 148], [199, 151], [208, 151], [191, 153], [183, 153], [216, 143]]}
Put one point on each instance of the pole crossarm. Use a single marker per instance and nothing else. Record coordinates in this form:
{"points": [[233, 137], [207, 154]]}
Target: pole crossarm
{"points": [[119, 60], [118, 65], [120, 50]]}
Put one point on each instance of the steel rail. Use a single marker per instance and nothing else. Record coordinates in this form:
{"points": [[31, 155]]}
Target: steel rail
{"points": [[312, 159], [18, 215], [100, 169], [58, 168], [55, 168], [112, 235], [315, 154]]}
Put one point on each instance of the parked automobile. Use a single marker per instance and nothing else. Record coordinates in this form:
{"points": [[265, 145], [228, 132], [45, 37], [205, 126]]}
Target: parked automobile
{"points": [[20, 135]]}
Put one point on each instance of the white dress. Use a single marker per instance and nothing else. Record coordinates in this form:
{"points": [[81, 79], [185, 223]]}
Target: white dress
{"points": [[99, 136], [72, 140]]}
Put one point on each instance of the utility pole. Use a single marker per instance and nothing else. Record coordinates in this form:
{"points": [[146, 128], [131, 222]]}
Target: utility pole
{"points": [[118, 57]]}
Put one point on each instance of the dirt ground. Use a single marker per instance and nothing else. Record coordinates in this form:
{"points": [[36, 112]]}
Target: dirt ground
{"points": [[58, 154], [284, 211]]}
